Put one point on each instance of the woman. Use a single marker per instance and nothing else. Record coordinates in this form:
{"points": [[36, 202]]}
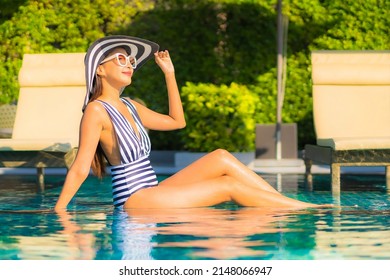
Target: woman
{"points": [[114, 128]]}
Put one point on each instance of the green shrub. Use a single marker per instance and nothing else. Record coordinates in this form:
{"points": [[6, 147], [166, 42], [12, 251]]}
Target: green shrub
{"points": [[297, 107], [219, 117], [50, 26], [216, 42]]}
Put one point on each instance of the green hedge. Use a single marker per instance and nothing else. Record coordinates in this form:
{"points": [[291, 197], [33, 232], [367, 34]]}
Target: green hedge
{"points": [[219, 116], [213, 43], [50, 26]]}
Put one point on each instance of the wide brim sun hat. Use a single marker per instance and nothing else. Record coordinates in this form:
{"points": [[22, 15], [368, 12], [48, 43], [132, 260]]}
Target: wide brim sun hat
{"points": [[141, 49]]}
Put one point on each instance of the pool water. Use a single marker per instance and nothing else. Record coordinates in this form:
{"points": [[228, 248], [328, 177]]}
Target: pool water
{"points": [[93, 229]]}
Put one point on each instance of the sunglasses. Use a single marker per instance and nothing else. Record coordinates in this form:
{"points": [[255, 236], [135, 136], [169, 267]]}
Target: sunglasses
{"points": [[122, 60]]}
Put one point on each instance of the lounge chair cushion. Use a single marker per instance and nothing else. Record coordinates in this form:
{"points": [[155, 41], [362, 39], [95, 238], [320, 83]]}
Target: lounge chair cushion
{"points": [[49, 113], [52, 69], [350, 68], [348, 143], [351, 98], [49, 110]]}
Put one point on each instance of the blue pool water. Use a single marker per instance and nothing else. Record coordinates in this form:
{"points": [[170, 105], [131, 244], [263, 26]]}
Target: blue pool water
{"points": [[92, 229]]}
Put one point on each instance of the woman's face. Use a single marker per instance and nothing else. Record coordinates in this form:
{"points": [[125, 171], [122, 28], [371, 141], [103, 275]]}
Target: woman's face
{"points": [[113, 71]]}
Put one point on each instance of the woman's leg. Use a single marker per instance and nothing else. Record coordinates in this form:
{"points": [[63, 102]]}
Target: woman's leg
{"points": [[208, 193], [214, 165]]}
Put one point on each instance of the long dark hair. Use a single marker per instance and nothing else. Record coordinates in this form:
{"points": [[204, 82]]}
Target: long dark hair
{"points": [[99, 161]]}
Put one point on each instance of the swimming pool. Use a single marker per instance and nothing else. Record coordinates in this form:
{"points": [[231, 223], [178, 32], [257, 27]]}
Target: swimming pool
{"points": [[92, 229]]}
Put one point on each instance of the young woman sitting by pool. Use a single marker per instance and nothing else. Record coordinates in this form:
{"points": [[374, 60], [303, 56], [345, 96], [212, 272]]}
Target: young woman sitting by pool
{"points": [[114, 128]]}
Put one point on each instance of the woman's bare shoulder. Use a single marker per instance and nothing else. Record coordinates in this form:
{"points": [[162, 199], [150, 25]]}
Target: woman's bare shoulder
{"points": [[94, 106], [96, 110]]}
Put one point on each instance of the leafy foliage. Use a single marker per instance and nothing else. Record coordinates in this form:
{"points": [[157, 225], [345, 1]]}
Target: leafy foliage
{"points": [[50, 26], [219, 116], [222, 50]]}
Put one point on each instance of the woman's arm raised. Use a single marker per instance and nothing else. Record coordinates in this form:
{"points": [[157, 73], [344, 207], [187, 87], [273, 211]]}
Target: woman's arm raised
{"points": [[175, 119]]}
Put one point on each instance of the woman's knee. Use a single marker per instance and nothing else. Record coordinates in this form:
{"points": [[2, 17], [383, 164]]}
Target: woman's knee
{"points": [[223, 155], [221, 152]]}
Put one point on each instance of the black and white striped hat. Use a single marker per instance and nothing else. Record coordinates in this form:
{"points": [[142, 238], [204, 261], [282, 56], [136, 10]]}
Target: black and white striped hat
{"points": [[142, 49]]}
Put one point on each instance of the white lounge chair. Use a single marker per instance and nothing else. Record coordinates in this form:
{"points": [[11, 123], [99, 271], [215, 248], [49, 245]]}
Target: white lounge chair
{"points": [[351, 107], [46, 128]]}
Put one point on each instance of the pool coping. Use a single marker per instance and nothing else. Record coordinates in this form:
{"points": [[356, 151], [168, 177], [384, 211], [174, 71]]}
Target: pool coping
{"points": [[166, 169]]}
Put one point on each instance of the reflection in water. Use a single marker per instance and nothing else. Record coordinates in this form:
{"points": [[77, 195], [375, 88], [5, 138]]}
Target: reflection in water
{"points": [[353, 234], [71, 242], [226, 232], [131, 239], [93, 230], [79, 243], [210, 232]]}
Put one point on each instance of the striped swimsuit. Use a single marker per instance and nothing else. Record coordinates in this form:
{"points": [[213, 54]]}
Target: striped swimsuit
{"points": [[135, 171]]}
